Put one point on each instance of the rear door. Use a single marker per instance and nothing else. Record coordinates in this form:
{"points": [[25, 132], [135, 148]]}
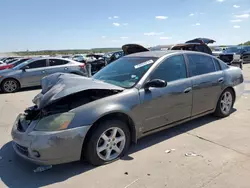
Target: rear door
{"points": [[58, 65], [34, 72], [207, 81], [163, 106]]}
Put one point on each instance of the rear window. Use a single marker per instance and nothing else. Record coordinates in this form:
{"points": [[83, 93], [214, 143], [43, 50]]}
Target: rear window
{"points": [[188, 47]]}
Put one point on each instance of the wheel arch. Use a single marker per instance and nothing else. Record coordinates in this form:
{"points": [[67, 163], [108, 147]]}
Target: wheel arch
{"points": [[113, 115], [10, 78], [232, 89]]}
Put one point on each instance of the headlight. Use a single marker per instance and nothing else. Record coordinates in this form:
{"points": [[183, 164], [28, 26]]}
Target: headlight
{"points": [[55, 122]]}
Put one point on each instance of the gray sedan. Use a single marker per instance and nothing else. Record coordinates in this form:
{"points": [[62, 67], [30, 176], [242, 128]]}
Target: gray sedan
{"points": [[97, 118], [31, 72]]}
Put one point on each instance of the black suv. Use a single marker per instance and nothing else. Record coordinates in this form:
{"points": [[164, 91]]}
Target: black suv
{"points": [[198, 44], [228, 54]]}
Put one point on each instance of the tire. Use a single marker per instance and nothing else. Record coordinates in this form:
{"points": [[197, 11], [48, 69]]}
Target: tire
{"points": [[225, 103], [96, 141], [10, 85]]}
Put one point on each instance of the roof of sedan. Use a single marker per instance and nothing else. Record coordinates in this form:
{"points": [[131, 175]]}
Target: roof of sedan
{"points": [[156, 54]]}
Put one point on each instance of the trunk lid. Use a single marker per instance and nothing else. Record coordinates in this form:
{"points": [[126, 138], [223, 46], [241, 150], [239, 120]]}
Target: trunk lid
{"points": [[133, 48]]}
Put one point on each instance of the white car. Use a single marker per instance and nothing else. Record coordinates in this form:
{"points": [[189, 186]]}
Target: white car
{"points": [[217, 51]]}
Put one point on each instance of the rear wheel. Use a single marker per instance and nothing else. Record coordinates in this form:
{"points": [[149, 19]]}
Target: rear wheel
{"points": [[108, 142], [10, 86], [225, 103]]}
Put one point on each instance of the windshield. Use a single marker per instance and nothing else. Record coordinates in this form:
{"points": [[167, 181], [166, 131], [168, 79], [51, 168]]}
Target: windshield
{"points": [[233, 50], [17, 62], [22, 64], [246, 48], [125, 72]]}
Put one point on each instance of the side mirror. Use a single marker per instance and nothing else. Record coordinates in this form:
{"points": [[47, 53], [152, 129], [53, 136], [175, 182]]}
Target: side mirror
{"points": [[157, 83], [25, 67]]}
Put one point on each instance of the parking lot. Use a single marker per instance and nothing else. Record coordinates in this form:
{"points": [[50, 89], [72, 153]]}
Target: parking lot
{"points": [[207, 152]]}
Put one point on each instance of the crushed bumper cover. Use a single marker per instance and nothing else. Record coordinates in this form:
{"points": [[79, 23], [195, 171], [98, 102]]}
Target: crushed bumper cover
{"points": [[49, 148]]}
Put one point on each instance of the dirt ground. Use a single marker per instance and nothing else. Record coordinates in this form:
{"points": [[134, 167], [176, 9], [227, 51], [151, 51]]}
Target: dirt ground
{"points": [[222, 147]]}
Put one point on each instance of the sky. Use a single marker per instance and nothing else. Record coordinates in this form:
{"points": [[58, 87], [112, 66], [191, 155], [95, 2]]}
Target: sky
{"points": [[84, 24]]}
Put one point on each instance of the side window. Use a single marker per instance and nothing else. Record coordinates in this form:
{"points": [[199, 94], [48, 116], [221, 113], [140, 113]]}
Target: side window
{"points": [[173, 68], [200, 64], [56, 62], [217, 64], [37, 64]]}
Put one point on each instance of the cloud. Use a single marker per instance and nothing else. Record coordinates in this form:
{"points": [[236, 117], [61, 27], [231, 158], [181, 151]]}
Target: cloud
{"points": [[242, 15], [161, 17], [125, 24], [197, 24], [116, 24], [153, 33], [192, 14], [113, 17], [220, 1], [123, 37], [165, 38], [103, 37], [237, 20], [236, 26], [236, 6]]}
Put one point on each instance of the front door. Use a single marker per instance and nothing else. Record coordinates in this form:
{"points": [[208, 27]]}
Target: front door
{"points": [[163, 106], [207, 82], [34, 72]]}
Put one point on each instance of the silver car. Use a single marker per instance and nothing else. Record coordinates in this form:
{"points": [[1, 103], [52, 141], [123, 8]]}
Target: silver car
{"points": [[31, 72], [97, 118]]}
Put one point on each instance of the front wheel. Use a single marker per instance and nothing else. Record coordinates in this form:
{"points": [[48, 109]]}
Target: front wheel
{"points": [[10, 86], [108, 142], [225, 103]]}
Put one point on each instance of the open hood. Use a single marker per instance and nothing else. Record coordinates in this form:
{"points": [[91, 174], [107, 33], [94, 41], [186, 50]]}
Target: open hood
{"points": [[60, 85], [133, 48], [201, 40]]}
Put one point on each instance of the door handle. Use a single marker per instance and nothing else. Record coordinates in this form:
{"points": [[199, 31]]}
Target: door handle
{"points": [[221, 80], [187, 90], [43, 71], [66, 68]]}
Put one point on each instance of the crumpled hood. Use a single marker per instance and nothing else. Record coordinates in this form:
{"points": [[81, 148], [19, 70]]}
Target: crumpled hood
{"points": [[60, 85]]}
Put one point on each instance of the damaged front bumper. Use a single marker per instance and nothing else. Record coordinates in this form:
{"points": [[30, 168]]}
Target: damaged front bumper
{"points": [[47, 148]]}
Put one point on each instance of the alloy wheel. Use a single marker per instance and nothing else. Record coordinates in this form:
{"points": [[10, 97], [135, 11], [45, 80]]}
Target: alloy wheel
{"points": [[10, 86], [111, 144], [226, 102]]}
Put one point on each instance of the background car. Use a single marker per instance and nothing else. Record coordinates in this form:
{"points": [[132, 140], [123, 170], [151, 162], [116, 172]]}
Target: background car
{"points": [[11, 64], [134, 96], [79, 57], [228, 54], [112, 56], [30, 72], [217, 51], [246, 54], [97, 62], [9, 59], [198, 45]]}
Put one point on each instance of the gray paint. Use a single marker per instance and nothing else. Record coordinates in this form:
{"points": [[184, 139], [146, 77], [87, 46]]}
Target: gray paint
{"points": [[150, 111], [32, 77]]}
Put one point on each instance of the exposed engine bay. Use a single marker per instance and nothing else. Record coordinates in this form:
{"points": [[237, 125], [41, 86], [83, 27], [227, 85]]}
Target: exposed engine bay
{"points": [[68, 103]]}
